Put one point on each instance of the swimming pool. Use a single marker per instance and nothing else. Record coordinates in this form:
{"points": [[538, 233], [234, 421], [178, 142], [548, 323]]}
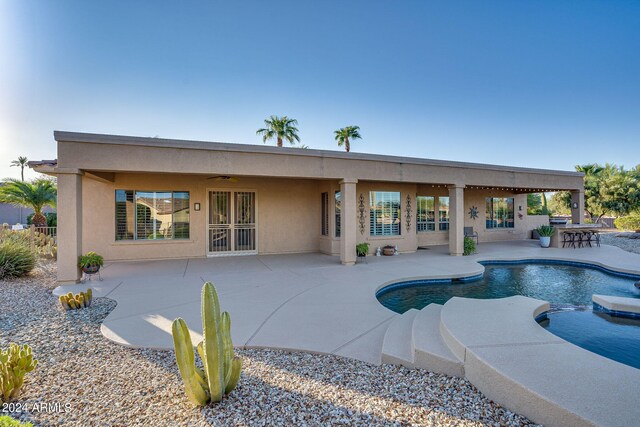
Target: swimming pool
{"points": [[568, 287], [617, 338], [557, 283]]}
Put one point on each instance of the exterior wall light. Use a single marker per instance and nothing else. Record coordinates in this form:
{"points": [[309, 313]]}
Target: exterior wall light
{"points": [[575, 205], [196, 206]]}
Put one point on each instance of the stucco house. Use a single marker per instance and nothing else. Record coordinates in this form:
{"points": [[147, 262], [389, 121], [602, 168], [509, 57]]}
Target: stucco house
{"points": [[132, 198]]}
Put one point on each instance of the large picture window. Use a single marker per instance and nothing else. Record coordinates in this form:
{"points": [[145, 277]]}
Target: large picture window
{"points": [[384, 213], [499, 212], [325, 214], [443, 213], [426, 214], [152, 215]]}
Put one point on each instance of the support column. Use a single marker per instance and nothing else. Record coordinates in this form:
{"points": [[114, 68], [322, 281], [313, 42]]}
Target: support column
{"points": [[348, 218], [577, 207], [456, 220], [69, 208]]}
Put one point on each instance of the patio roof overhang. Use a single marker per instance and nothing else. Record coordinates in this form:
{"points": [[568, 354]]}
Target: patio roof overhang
{"points": [[102, 156]]}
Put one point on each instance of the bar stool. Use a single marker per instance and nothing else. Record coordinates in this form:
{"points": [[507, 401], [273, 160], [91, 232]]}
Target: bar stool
{"points": [[588, 237], [580, 236], [596, 235], [568, 239]]}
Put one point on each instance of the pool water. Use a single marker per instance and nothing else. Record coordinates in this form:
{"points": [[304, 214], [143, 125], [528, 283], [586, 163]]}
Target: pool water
{"points": [[616, 338], [568, 288], [558, 284]]}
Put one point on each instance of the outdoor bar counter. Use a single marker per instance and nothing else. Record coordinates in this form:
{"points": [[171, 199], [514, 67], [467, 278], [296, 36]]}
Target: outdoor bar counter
{"points": [[556, 239]]}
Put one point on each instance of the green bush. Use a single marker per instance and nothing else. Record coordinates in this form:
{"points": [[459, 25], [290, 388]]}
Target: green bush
{"points": [[469, 246], [7, 421], [16, 259], [629, 222]]}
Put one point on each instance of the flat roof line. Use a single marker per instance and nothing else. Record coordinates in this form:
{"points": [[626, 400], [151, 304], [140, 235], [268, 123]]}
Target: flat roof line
{"points": [[94, 138]]}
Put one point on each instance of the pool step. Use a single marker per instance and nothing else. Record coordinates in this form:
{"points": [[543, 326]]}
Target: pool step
{"points": [[397, 346], [430, 350]]}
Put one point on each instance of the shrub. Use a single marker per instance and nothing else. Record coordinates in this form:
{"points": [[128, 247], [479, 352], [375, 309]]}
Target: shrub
{"points": [[15, 362], [16, 259], [629, 222], [7, 421], [469, 246]]}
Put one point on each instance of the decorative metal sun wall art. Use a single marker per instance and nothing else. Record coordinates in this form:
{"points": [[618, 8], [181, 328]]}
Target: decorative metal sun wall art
{"points": [[361, 216], [473, 212], [408, 212]]}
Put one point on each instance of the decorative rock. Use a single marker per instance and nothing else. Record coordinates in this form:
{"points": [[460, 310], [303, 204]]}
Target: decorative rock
{"points": [[114, 385]]}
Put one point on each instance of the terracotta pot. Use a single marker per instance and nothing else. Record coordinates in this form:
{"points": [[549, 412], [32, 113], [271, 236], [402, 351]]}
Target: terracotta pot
{"points": [[388, 250]]}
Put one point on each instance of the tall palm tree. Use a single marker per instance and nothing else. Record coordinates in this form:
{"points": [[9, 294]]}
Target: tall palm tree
{"points": [[21, 163], [35, 194], [345, 134], [279, 128]]}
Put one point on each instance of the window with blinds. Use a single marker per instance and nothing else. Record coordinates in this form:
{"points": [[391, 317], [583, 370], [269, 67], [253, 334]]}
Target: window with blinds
{"points": [[500, 212], [325, 214], [152, 215], [337, 212], [443, 213], [425, 214], [384, 213]]}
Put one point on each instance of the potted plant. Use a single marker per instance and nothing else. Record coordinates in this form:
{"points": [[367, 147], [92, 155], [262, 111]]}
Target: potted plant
{"points": [[91, 262], [388, 250], [362, 249], [545, 232]]}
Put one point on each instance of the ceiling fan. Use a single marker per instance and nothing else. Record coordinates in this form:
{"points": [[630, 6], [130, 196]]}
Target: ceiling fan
{"points": [[224, 178]]}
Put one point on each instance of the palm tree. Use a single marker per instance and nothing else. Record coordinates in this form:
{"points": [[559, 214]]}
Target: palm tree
{"points": [[35, 194], [279, 128], [343, 135], [21, 163]]}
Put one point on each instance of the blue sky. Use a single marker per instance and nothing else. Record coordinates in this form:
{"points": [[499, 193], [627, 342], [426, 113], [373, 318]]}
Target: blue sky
{"points": [[526, 83]]}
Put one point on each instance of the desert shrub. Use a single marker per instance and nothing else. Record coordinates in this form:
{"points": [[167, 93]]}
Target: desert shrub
{"points": [[16, 259], [629, 222], [469, 246], [7, 421]]}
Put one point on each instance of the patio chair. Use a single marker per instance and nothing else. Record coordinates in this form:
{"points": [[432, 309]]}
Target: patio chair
{"points": [[468, 232]]}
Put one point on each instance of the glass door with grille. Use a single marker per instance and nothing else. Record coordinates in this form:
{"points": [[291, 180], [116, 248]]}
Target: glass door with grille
{"points": [[232, 222]]}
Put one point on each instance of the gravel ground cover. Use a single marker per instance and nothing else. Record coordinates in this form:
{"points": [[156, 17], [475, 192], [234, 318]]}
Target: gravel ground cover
{"points": [[629, 241], [85, 380]]}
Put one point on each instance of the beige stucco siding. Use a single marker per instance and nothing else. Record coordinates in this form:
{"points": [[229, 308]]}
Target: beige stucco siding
{"points": [[151, 155], [288, 214]]}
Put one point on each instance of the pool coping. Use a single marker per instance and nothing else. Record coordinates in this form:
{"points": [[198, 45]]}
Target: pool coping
{"points": [[510, 358]]}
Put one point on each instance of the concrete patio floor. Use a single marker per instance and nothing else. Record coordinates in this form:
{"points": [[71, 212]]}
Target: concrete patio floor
{"points": [[307, 302]]}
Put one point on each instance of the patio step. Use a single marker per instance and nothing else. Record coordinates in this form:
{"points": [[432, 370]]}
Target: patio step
{"points": [[397, 346], [430, 350]]}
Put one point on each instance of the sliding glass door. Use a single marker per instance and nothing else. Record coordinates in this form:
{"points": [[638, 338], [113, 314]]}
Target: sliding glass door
{"points": [[232, 222]]}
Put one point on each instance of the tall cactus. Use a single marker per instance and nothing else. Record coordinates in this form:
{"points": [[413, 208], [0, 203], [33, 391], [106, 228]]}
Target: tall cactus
{"points": [[221, 368]]}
